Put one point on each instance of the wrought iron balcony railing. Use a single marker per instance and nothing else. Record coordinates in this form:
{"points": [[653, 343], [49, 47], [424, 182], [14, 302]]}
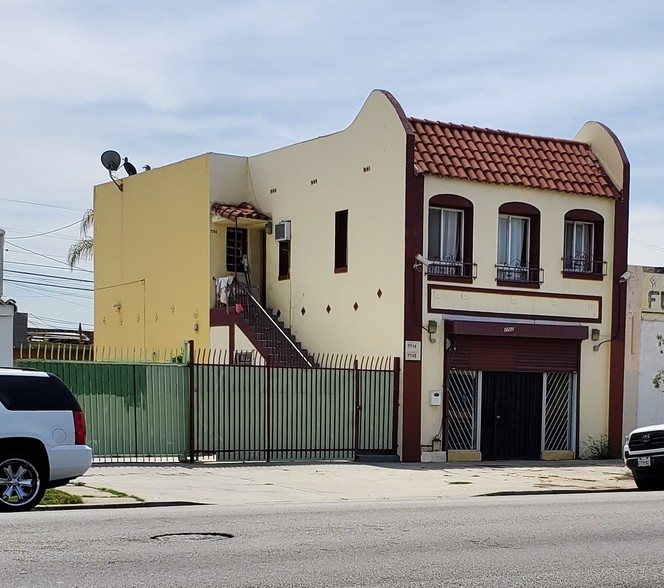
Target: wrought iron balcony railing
{"points": [[582, 264], [452, 269], [517, 273]]}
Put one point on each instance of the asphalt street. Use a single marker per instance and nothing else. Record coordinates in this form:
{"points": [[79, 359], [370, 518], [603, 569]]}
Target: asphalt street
{"points": [[587, 539]]}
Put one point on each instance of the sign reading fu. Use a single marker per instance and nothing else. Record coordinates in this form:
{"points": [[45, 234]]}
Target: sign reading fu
{"points": [[653, 289], [655, 301]]}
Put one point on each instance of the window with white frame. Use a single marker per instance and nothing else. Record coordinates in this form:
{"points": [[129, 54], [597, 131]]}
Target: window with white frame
{"points": [[513, 247], [449, 240], [579, 246], [446, 238]]}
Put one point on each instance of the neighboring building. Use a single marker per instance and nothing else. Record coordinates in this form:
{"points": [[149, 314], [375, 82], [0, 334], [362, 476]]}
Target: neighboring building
{"points": [[488, 262], [7, 310], [644, 352]]}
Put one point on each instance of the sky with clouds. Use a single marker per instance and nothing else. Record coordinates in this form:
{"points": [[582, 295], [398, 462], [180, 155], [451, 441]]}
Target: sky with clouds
{"points": [[161, 81]]}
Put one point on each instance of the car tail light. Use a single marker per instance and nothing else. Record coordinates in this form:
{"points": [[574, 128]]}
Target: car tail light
{"points": [[79, 427]]}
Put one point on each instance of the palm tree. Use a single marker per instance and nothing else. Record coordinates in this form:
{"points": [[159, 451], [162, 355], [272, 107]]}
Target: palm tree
{"points": [[83, 249]]}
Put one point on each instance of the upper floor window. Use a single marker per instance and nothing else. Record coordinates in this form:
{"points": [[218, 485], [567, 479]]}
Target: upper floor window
{"points": [[236, 249], [450, 237], [341, 241], [582, 248], [284, 260], [518, 244]]}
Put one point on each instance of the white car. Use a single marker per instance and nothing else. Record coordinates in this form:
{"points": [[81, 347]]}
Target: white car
{"points": [[644, 455], [42, 437]]}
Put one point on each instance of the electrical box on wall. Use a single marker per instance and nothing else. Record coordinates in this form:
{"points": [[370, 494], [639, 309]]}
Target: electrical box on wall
{"points": [[435, 398], [282, 231]]}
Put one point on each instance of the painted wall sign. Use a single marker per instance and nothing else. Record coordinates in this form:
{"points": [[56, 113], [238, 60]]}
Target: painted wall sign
{"points": [[413, 350], [653, 293]]}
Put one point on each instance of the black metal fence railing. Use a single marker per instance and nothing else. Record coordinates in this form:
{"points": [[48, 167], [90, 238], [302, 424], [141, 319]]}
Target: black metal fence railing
{"points": [[279, 347], [271, 413], [198, 405]]}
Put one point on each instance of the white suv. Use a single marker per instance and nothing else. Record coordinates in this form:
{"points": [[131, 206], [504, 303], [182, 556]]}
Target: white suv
{"points": [[42, 437], [644, 455]]}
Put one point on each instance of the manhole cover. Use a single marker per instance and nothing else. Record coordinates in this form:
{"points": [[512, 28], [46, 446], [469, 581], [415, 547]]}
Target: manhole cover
{"points": [[192, 536]]}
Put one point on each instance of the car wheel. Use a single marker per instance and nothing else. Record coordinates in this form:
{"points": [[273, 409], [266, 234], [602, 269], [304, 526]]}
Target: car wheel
{"points": [[21, 484], [648, 482]]}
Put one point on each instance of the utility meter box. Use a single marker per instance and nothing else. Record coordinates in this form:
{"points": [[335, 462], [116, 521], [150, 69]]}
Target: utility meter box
{"points": [[435, 397]]}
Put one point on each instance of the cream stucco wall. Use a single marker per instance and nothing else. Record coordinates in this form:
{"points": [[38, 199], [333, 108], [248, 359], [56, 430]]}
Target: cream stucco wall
{"points": [[487, 199], [152, 258], [362, 170]]}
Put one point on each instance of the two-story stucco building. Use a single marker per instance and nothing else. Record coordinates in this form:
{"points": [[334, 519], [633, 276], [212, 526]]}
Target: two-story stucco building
{"points": [[487, 261]]}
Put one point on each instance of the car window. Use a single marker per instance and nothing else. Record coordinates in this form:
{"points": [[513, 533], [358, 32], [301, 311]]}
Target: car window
{"points": [[36, 393]]}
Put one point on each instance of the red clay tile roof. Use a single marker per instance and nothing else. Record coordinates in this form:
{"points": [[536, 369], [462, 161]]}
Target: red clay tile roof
{"points": [[499, 157], [233, 211]]}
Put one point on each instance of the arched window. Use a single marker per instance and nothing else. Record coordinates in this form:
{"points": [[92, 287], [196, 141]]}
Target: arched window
{"points": [[450, 237], [518, 245], [583, 245]]}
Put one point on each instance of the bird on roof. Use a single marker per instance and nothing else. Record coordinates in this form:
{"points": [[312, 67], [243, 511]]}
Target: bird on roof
{"points": [[146, 168], [129, 167]]}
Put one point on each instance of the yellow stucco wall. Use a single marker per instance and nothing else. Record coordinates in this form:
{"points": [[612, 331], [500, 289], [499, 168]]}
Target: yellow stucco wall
{"points": [[594, 380], [152, 258]]}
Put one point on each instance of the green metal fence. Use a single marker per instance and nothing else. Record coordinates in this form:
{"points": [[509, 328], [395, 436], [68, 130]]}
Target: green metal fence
{"points": [[203, 410], [133, 411]]}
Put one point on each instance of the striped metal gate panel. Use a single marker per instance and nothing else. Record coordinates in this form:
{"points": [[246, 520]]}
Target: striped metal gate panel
{"points": [[559, 411], [263, 413]]}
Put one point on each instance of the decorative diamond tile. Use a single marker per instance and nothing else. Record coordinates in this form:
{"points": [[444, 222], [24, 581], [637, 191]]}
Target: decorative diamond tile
{"points": [[356, 306], [379, 293], [328, 309], [303, 311]]}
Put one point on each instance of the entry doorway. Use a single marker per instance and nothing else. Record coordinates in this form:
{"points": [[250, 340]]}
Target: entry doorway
{"points": [[511, 418]]}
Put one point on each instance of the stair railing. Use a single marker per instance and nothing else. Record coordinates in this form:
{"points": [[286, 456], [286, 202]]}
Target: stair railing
{"points": [[263, 323]]}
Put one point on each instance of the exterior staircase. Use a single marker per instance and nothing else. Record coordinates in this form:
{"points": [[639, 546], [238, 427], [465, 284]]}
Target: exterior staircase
{"points": [[279, 346]]}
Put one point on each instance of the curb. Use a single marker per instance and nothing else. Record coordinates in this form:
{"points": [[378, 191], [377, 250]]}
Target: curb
{"points": [[99, 506]]}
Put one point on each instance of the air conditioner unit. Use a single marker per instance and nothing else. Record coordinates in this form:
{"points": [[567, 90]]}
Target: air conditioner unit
{"points": [[282, 231]]}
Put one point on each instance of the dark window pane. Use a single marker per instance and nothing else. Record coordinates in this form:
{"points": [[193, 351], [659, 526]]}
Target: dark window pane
{"points": [[36, 393], [284, 259], [236, 247], [341, 240]]}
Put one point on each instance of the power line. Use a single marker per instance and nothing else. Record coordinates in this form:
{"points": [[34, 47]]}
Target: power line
{"points": [[46, 319], [49, 285], [50, 276], [646, 245], [42, 204], [59, 298], [42, 255], [76, 269], [47, 232]]}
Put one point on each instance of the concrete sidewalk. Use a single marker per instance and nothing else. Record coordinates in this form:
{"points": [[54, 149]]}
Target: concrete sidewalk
{"points": [[331, 482]]}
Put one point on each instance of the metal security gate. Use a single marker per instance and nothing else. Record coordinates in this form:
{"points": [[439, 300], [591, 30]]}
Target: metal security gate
{"points": [[262, 413], [511, 415], [471, 413]]}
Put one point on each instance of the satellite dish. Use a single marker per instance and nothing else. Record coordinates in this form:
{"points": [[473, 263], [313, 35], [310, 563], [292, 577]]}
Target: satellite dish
{"points": [[111, 160]]}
